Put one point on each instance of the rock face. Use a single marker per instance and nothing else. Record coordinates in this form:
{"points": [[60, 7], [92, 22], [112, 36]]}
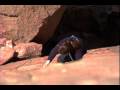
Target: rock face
{"points": [[89, 21], [2, 42], [9, 51], [21, 23], [98, 66], [27, 50], [27, 23], [6, 50], [6, 53]]}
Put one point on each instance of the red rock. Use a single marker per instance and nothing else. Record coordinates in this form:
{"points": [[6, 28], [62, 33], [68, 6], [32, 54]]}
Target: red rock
{"points": [[93, 70], [2, 29], [6, 53], [22, 23], [13, 65], [9, 43], [6, 43], [13, 76], [22, 63], [26, 50], [2, 42]]}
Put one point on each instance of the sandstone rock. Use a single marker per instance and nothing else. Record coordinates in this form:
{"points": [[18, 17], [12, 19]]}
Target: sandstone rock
{"points": [[6, 50], [25, 50], [6, 53], [22, 23], [93, 69], [12, 76], [6, 43], [22, 63], [2, 42]]}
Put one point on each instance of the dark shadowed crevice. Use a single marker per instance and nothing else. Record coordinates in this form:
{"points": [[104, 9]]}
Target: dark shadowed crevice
{"points": [[48, 28], [8, 15], [83, 22]]}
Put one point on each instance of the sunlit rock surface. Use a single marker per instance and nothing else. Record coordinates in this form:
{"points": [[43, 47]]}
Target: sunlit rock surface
{"points": [[22, 23], [98, 66], [27, 50]]}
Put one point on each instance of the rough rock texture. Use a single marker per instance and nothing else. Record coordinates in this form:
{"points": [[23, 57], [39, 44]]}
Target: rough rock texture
{"points": [[6, 50], [24, 23], [98, 66], [9, 50], [6, 53], [2, 42], [27, 50], [89, 21], [21, 23]]}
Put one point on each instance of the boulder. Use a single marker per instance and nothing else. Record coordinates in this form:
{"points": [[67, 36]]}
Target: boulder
{"points": [[6, 53], [98, 67], [27, 50], [22, 23]]}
